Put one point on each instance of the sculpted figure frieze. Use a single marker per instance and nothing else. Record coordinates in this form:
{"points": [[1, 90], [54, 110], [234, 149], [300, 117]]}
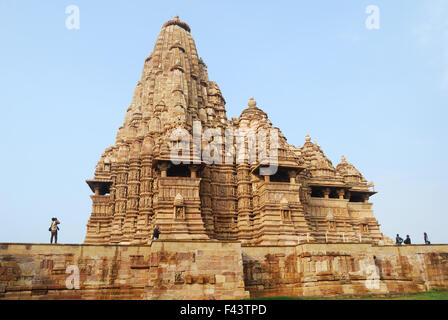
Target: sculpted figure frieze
{"points": [[225, 201]]}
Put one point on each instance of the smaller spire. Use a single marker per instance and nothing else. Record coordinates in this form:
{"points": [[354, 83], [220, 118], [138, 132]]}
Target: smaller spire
{"points": [[252, 103], [343, 159], [176, 17]]}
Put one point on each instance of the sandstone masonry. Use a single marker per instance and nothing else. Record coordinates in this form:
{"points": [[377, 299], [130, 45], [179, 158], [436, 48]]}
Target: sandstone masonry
{"points": [[171, 270], [137, 186]]}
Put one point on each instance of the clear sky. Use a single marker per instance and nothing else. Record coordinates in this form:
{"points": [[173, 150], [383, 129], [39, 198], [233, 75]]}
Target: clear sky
{"points": [[379, 96]]}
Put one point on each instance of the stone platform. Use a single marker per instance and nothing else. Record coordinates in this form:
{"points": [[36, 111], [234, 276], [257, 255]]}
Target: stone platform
{"points": [[343, 268], [216, 270], [164, 270]]}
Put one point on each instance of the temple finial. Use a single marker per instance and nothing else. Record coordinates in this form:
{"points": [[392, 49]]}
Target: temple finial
{"points": [[342, 159], [307, 138], [177, 22], [252, 103]]}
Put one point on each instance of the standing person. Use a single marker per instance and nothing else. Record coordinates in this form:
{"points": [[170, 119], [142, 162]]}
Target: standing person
{"points": [[398, 240], [54, 230], [407, 240], [425, 236], [156, 233]]}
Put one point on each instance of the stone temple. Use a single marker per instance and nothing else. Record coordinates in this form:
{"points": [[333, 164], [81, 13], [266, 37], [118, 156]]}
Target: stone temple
{"points": [[137, 186], [264, 218]]}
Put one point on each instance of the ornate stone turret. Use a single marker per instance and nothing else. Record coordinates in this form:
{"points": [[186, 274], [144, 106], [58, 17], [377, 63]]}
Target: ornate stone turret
{"points": [[318, 164], [349, 172], [168, 167]]}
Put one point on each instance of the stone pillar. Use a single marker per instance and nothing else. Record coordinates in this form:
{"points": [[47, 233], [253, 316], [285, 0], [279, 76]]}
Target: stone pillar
{"points": [[292, 176], [120, 202], [244, 207], [327, 193], [341, 193], [130, 223], [307, 192], [193, 171], [145, 203], [366, 198], [206, 202], [113, 197], [163, 167]]}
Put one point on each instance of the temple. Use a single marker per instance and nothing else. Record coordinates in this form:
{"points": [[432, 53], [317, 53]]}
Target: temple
{"points": [[140, 182], [242, 213]]}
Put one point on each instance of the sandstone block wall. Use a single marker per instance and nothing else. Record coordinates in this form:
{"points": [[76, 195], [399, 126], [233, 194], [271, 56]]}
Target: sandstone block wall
{"points": [[217, 270], [330, 269], [163, 270]]}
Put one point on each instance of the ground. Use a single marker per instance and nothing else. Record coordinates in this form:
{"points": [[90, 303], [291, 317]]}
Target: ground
{"points": [[434, 294]]}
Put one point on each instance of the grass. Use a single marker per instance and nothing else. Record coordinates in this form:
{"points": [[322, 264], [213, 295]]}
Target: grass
{"points": [[433, 294]]}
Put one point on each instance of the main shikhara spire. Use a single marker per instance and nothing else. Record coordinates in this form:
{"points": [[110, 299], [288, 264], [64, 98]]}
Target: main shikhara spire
{"points": [[137, 186]]}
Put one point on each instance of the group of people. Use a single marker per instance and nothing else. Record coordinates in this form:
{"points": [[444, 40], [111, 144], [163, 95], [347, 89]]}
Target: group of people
{"points": [[54, 231], [399, 241], [155, 236]]}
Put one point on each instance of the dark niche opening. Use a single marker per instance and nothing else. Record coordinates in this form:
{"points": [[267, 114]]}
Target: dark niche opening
{"points": [[334, 194], [317, 192], [281, 176], [356, 197], [178, 171]]}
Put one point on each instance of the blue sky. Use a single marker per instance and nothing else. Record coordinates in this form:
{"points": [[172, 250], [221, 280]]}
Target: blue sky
{"points": [[379, 97]]}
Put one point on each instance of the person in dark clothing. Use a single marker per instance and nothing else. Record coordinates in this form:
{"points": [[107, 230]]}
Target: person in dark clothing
{"points": [[407, 240], [398, 240], [156, 233], [54, 230], [425, 236]]}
